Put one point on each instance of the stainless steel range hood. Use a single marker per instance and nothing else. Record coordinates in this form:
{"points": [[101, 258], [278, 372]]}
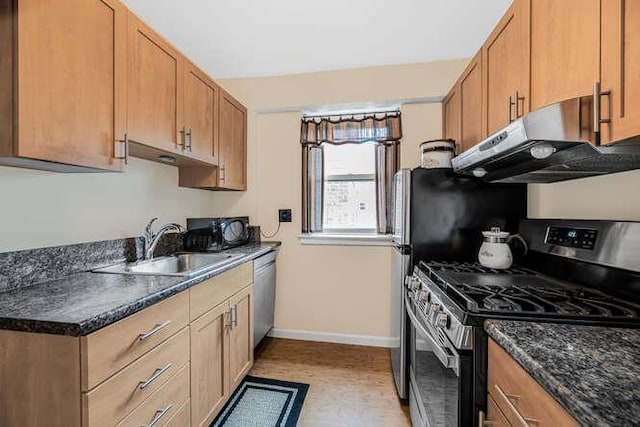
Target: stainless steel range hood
{"points": [[553, 143]]}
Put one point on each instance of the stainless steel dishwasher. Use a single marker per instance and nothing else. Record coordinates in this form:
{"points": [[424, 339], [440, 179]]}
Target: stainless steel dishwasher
{"points": [[264, 295]]}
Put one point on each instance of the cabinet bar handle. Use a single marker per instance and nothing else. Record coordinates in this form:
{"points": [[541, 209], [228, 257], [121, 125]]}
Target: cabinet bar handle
{"points": [[509, 106], [230, 324], [518, 99], [598, 93], [482, 420], [144, 384], [155, 330], [234, 316], [188, 138], [507, 400], [125, 149], [181, 142], [158, 416]]}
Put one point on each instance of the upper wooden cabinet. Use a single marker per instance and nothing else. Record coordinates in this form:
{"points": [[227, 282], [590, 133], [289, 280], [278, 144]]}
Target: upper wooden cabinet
{"points": [[565, 49], [62, 93], [452, 116], [201, 100], [506, 63], [620, 69], [233, 144], [462, 112], [154, 89], [546, 51], [231, 173], [471, 96]]}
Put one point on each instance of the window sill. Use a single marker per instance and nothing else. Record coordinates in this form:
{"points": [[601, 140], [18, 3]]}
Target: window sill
{"points": [[345, 239]]}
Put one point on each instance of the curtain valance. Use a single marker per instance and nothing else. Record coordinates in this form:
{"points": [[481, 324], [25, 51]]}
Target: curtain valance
{"points": [[384, 128]]}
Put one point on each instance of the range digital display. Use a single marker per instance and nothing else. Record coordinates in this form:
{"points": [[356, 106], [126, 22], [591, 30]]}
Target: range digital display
{"points": [[582, 238]]}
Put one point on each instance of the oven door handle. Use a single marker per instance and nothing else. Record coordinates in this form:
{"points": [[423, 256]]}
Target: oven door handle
{"points": [[447, 359]]}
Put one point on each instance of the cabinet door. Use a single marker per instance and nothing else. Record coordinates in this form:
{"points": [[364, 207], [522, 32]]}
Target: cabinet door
{"points": [[209, 364], [565, 49], [233, 144], [506, 62], [200, 115], [71, 59], [620, 68], [241, 336], [470, 88], [451, 116], [154, 89]]}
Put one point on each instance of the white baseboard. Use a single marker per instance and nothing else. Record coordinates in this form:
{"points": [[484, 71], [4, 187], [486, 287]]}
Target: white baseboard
{"points": [[368, 340]]}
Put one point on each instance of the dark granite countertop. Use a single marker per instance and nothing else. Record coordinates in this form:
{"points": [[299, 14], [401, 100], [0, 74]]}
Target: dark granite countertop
{"points": [[592, 371], [84, 302]]}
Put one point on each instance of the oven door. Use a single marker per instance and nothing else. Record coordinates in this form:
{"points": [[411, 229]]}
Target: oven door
{"points": [[439, 375]]}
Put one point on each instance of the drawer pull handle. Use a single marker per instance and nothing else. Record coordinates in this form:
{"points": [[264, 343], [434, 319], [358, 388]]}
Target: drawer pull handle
{"points": [[144, 384], [158, 416], [155, 330], [525, 422]]}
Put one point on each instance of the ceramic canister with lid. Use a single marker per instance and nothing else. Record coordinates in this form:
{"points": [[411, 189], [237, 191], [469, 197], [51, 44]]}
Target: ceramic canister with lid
{"points": [[437, 153]]}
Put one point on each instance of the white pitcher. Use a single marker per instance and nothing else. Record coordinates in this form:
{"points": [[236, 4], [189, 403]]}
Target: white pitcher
{"points": [[495, 251]]}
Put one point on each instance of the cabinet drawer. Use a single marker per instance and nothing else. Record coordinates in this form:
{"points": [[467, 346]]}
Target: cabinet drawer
{"points": [[209, 294], [181, 417], [112, 400], [520, 398], [108, 350], [162, 405]]}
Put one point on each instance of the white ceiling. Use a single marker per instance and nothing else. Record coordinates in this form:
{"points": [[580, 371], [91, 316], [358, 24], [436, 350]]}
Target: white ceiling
{"points": [[251, 38]]}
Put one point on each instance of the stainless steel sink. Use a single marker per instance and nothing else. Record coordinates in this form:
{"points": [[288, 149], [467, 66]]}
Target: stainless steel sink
{"points": [[181, 264]]}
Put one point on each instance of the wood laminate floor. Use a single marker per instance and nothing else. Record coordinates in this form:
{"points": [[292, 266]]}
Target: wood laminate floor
{"points": [[349, 385]]}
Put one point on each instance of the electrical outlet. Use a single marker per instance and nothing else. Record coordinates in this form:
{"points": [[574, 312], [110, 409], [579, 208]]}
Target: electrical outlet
{"points": [[284, 215]]}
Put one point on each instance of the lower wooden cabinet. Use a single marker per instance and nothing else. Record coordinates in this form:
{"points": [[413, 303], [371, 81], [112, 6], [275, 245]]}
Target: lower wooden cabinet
{"points": [[221, 354], [241, 335], [516, 399], [175, 363], [209, 364]]}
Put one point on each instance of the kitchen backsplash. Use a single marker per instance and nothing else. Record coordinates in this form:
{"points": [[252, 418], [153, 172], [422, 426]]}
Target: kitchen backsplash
{"points": [[24, 268]]}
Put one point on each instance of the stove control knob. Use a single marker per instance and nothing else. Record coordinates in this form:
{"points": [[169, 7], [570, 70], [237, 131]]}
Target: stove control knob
{"points": [[434, 308], [412, 283], [441, 320]]}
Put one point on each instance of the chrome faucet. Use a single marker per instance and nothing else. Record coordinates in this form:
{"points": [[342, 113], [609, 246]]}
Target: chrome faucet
{"points": [[151, 239]]}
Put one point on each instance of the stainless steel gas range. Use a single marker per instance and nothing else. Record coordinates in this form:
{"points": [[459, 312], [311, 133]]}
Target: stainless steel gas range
{"points": [[576, 272]]}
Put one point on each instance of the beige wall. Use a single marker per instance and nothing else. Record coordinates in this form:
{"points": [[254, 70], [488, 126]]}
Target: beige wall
{"points": [[326, 289], [46, 209]]}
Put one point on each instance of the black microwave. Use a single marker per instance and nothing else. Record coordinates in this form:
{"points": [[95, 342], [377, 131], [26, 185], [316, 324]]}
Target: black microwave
{"points": [[216, 234]]}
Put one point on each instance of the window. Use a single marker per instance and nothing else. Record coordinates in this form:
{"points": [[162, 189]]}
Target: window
{"points": [[348, 168], [349, 187]]}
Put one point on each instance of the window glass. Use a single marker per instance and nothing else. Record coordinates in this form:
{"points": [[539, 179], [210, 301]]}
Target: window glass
{"points": [[349, 187]]}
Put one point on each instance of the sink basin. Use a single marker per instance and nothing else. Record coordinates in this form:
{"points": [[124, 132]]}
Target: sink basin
{"points": [[181, 264]]}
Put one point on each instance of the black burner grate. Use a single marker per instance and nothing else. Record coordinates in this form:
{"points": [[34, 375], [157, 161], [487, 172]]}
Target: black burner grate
{"points": [[517, 291]]}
